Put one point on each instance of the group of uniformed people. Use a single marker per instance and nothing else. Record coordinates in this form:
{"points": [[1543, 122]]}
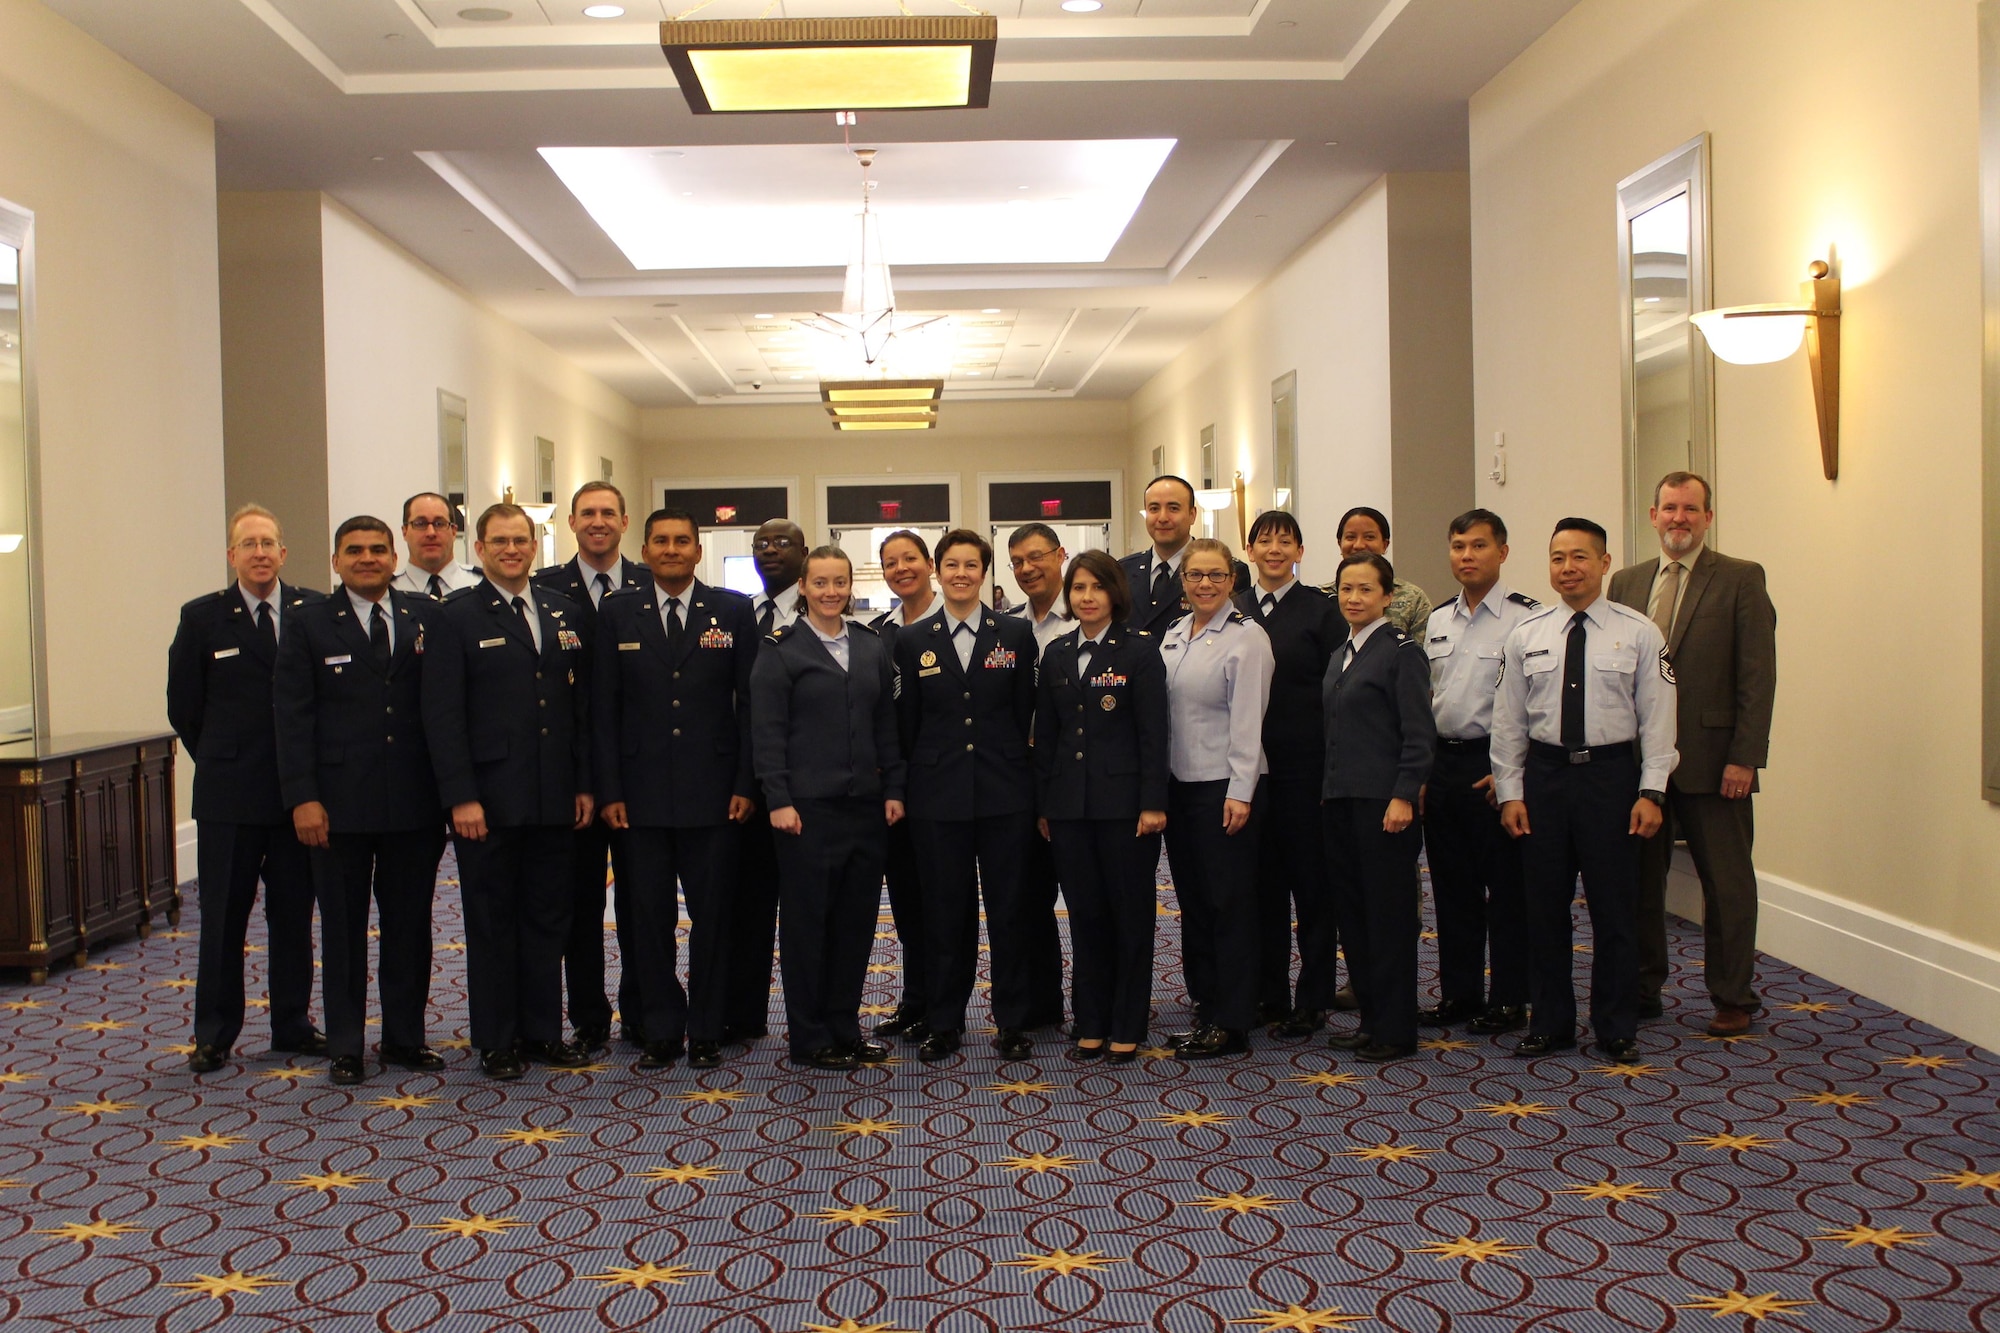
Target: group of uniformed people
{"points": [[771, 761]]}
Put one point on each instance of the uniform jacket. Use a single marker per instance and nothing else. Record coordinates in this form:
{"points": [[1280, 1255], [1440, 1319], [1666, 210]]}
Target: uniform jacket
{"points": [[563, 579], [672, 726], [1724, 648], [820, 733], [350, 735], [1305, 630], [1154, 617], [1380, 735], [508, 726], [965, 733], [1101, 743], [219, 703]]}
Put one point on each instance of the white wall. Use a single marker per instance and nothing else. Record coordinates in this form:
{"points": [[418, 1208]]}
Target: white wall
{"points": [[396, 333], [1843, 123]]}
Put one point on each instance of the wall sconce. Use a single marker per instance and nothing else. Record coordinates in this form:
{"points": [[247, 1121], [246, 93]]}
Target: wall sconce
{"points": [[10, 542], [541, 515], [1749, 335], [1215, 499]]}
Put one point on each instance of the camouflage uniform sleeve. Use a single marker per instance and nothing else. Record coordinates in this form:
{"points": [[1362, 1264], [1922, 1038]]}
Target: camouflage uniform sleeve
{"points": [[1409, 610]]}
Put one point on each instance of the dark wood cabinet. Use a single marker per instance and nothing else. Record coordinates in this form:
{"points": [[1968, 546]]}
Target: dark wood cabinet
{"points": [[86, 844]]}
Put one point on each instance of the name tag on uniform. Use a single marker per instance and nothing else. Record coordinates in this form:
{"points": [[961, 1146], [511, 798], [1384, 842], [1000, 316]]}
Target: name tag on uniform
{"points": [[341, 660], [717, 638], [629, 647], [1000, 659], [568, 640], [929, 671], [1539, 652], [493, 643], [221, 653]]}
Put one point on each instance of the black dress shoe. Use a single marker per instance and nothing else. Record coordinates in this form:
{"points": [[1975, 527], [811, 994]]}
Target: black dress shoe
{"points": [[1176, 1038], [1446, 1012], [1651, 1007], [1349, 1041], [1379, 1051], [501, 1064], [660, 1055], [1300, 1023], [592, 1037], [938, 1046], [1499, 1018], [826, 1057], [1083, 1055], [313, 1043], [634, 1034], [906, 1018], [1625, 1050], [1212, 1043], [1121, 1057], [1014, 1044], [206, 1059], [348, 1070], [1534, 1044], [555, 1054], [704, 1055], [1346, 1000], [1045, 1018], [866, 1052], [410, 1057]]}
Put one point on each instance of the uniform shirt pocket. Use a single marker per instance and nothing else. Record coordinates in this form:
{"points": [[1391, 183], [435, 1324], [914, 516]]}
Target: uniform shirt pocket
{"points": [[1624, 661]]}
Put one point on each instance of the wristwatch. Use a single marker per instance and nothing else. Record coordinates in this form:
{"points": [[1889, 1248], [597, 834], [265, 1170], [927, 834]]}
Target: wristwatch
{"points": [[1658, 798]]}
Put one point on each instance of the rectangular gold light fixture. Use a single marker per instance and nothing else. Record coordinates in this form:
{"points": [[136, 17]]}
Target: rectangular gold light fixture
{"points": [[882, 404], [894, 63]]}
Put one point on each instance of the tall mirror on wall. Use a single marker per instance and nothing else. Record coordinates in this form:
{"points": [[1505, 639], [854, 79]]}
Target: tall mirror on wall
{"points": [[454, 466], [1663, 272], [20, 629], [1285, 442]]}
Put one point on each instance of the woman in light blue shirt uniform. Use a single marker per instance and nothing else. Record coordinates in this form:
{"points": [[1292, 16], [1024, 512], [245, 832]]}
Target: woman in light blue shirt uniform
{"points": [[1219, 666]]}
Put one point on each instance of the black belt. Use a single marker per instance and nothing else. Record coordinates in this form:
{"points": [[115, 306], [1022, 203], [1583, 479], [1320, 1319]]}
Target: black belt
{"points": [[1476, 744], [1557, 754]]}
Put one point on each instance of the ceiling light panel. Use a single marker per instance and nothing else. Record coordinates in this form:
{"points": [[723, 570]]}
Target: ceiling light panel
{"points": [[763, 206]]}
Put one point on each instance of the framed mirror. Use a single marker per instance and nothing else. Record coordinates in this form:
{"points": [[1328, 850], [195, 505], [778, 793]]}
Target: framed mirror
{"points": [[1669, 372], [1285, 441], [455, 467], [22, 689]]}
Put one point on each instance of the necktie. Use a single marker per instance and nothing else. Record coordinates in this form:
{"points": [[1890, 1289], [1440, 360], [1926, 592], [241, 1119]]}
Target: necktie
{"points": [[378, 636], [1572, 705], [600, 587], [674, 626], [1083, 662], [1347, 657], [1163, 583], [436, 588], [267, 625], [521, 610], [1666, 597], [766, 616], [1270, 603]]}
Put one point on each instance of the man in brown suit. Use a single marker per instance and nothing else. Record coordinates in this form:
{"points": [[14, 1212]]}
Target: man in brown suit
{"points": [[1721, 632]]}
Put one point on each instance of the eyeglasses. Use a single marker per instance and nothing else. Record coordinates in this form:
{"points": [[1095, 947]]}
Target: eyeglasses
{"points": [[772, 544], [1029, 558], [1208, 575], [257, 544], [506, 543], [431, 524]]}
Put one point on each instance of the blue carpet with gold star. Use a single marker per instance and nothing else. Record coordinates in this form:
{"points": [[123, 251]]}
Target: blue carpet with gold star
{"points": [[1839, 1169]]}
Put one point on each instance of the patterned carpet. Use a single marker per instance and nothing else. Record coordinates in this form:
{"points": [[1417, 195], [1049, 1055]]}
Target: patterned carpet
{"points": [[1838, 1170]]}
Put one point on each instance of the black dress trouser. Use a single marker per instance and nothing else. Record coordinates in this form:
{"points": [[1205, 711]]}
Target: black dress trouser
{"points": [[1580, 816], [1107, 880], [515, 888], [1475, 884], [961, 861], [701, 863], [229, 860], [753, 927], [1291, 878], [906, 907], [1215, 882], [1375, 891], [1043, 942], [583, 951], [830, 892], [399, 871]]}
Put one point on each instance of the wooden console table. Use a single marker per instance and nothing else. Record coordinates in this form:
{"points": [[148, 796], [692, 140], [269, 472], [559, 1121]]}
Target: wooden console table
{"points": [[86, 844]]}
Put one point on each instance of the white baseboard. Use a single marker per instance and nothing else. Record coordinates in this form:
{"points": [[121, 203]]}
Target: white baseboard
{"points": [[184, 844]]}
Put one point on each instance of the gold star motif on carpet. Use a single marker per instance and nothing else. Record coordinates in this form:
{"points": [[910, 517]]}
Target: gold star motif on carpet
{"points": [[1836, 1099], [103, 967], [1329, 1078], [179, 1048], [1969, 1180], [455, 1044], [453, 946], [291, 1073], [1736, 1303], [1388, 1152], [1728, 1142], [858, 1215], [1626, 1071], [179, 983], [1061, 1262], [1161, 909], [682, 1175], [1729, 1041], [1019, 1087], [9, 1183], [87, 1231], [713, 1096], [22, 1006], [479, 1224], [332, 1180], [1520, 1110], [534, 1134], [1811, 1007], [203, 1142], [866, 1127], [1237, 1203], [1302, 1320], [175, 935], [231, 1283], [108, 1106], [1445, 1044], [645, 1275], [1465, 1247], [258, 948], [1616, 1191], [1040, 1162], [261, 1002], [878, 1010], [1887, 1238], [100, 1025], [1924, 1061], [1192, 1119], [1155, 1052], [849, 1326], [885, 969], [404, 1102], [10, 1077], [1579, 948], [597, 1067]]}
